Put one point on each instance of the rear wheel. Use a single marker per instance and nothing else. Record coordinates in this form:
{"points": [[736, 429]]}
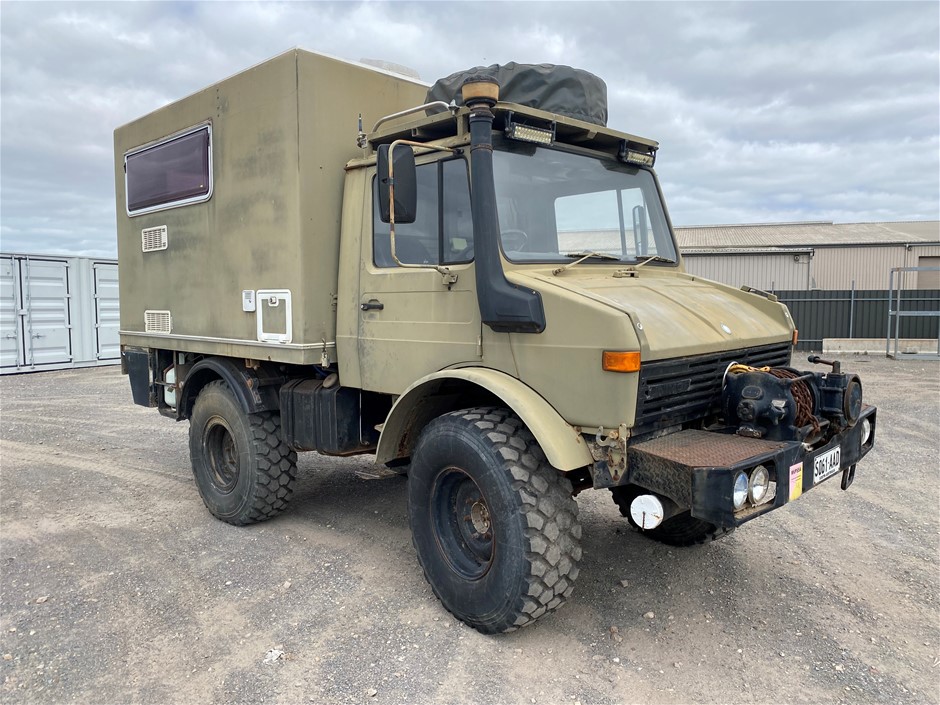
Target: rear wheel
{"points": [[243, 469], [494, 525], [680, 530]]}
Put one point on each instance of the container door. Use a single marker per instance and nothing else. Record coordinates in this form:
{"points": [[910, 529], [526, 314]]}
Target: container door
{"points": [[48, 323], [107, 313], [11, 329]]}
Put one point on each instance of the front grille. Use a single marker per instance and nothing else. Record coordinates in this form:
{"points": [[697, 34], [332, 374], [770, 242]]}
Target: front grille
{"points": [[686, 388]]}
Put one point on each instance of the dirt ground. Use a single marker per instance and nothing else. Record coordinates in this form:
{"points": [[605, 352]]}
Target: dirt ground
{"points": [[118, 586]]}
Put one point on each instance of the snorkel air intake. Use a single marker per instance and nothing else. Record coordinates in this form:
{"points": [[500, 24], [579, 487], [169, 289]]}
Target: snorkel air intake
{"points": [[504, 306]]}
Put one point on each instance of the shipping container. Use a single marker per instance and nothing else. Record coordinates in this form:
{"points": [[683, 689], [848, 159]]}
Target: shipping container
{"points": [[57, 312]]}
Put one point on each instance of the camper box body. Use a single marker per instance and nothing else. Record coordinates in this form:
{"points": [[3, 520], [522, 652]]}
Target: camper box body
{"points": [[249, 270]]}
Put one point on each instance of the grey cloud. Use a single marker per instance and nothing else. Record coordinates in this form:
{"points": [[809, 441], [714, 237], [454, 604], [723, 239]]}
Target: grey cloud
{"points": [[765, 111]]}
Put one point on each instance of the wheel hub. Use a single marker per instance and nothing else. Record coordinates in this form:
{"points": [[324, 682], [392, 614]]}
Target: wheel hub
{"points": [[480, 517], [221, 455], [463, 529]]}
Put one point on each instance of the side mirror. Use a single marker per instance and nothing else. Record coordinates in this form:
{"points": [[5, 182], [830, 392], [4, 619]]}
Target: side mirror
{"points": [[406, 184]]}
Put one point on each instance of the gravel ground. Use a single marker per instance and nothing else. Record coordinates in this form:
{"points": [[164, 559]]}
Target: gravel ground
{"points": [[118, 586]]}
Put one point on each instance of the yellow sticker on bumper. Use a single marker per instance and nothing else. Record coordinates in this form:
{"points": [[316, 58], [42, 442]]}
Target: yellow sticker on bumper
{"points": [[796, 480]]}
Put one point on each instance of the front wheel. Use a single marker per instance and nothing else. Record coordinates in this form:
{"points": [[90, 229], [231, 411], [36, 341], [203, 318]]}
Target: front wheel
{"points": [[243, 468], [494, 525]]}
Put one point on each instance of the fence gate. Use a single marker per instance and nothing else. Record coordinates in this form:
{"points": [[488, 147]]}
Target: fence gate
{"points": [[896, 312]]}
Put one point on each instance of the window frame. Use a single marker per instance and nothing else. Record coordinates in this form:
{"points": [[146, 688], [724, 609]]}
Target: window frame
{"points": [[178, 203], [502, 144], [438, 165]]}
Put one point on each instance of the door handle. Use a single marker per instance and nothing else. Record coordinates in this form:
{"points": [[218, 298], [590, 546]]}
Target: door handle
{"points": [[372, 305]]}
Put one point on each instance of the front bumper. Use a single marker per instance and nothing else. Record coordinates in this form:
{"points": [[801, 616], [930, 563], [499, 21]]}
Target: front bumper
{"points": [[696, 469]]}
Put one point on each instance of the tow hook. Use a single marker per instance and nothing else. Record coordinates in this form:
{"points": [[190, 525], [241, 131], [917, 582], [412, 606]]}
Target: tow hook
{"points": [[612, 447], [848, 477]]}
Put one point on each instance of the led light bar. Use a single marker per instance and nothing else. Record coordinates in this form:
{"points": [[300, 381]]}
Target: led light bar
{"points": [[632, 157], [525, 133]]}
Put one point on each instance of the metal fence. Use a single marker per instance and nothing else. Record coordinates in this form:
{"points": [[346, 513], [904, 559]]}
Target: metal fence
{"points": [[858, 314]]}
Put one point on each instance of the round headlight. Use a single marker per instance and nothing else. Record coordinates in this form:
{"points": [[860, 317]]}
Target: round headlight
{"points": [[739, 495], [866, 430], [757, 487]]}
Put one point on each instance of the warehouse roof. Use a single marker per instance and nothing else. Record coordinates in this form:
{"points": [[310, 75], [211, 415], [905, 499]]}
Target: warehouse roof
{"points": [[809, 234]]}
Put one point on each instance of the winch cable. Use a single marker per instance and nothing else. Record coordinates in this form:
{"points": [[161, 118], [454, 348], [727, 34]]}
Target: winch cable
{"points": [[801, 395], [800, 390]]}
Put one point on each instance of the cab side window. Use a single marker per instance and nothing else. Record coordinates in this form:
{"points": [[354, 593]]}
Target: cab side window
{"points": [[457, 225], [443, 230]]}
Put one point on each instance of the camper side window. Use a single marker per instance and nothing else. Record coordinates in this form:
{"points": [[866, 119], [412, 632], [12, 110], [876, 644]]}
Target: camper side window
{"points": [[442, 231], [175, 172]]}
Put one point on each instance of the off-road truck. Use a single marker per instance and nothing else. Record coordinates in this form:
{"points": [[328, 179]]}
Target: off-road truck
{"points": [[484, 291]]}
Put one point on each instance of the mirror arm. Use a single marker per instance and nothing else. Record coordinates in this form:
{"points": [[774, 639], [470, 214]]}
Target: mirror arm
{"points": [[445, 272]]}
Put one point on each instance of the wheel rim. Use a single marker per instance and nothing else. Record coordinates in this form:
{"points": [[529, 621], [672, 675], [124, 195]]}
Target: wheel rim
{"points": [[221, 454], [463, 528]]}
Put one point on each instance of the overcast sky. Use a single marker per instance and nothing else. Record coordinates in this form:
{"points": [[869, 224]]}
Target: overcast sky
{"points": [[765, 112]]}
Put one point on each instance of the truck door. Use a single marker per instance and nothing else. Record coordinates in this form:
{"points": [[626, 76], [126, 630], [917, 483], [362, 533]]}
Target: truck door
{"points": [[411, 322]]}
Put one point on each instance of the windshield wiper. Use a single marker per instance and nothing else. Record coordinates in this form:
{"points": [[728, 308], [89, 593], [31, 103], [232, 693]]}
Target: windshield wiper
{"points": [[644, 259], [583, 256]]}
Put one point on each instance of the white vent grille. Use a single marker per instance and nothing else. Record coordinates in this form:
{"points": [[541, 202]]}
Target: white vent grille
{"points": [[153, 239], [157, 321]]}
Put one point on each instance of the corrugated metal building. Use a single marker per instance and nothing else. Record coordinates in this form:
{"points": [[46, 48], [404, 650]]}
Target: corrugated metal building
{"points": [[57, 312], [813, 255]]}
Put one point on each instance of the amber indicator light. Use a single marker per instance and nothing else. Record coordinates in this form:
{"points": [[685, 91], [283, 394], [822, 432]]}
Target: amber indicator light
{"points": [[621, 361]]}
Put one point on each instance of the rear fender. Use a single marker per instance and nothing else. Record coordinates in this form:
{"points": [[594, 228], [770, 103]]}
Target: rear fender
{"points": [[254, 389], [564, 447]]}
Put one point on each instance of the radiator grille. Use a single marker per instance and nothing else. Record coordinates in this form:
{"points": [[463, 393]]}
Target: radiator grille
{"points": [[687, 388], [158, 321], [153, 239]]}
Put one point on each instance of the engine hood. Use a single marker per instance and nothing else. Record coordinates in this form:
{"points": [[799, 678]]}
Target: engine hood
{"points": [[675, 314]]}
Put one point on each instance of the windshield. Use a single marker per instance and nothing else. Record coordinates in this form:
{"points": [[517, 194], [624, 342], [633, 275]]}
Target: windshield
{"points": [[557, 206]]}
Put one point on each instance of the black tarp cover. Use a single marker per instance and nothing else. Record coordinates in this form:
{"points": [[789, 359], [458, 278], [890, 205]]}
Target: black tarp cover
{"points": [[554, 88]]}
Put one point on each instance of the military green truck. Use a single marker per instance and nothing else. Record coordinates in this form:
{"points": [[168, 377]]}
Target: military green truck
{"points": [[484, 291]]}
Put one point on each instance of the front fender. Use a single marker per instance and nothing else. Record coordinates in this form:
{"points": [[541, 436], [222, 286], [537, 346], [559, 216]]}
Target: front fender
{"points": [[564, 447]]}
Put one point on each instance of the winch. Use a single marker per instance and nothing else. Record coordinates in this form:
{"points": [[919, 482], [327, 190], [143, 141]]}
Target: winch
{"points": [[785, 404]]}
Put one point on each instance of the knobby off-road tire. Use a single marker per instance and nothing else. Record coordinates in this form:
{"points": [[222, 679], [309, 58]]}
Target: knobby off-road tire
{"points": [[243, 469], [494, 525], [680, 530]]}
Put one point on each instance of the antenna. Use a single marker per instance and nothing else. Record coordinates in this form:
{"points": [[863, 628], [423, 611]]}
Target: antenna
{"points": [[361, 137]]}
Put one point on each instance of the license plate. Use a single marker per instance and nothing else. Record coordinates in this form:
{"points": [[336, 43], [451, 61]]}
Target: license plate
{"points": [[827, 464]]}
